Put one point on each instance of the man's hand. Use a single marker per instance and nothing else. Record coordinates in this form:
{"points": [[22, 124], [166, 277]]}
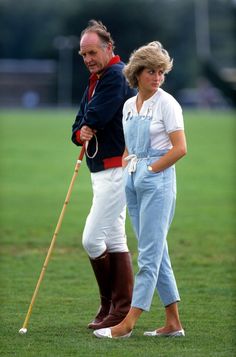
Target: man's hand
{"points": [[86, 133]]}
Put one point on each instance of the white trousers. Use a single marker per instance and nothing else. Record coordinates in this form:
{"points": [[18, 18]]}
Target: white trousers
{"points": [[105, 224]]}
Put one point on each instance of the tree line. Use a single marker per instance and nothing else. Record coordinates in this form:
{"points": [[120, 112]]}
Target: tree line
{"points": [[29, 28]]}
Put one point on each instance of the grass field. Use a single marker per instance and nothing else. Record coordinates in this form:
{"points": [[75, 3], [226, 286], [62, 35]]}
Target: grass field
{"points": [[37, 163]]}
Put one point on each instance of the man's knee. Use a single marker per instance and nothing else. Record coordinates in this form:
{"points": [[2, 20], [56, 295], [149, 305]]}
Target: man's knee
{"points": [[87, 244], [93, 248]]}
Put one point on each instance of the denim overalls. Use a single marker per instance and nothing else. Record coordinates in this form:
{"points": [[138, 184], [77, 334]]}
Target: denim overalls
{"points": [[151, 204]]}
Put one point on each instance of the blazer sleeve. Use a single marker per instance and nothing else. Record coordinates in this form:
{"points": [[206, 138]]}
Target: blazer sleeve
{"points": [[79, 119]]}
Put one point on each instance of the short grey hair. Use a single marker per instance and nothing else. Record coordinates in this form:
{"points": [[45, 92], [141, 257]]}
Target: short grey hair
{"points": [[100, 29]]}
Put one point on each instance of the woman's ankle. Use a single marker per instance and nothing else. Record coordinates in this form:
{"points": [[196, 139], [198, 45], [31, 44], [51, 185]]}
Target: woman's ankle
{"points": [[120, 330], [170, 327]]}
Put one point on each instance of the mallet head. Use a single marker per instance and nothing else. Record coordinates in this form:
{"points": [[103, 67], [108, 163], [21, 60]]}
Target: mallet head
{"points": [[23, 330]]}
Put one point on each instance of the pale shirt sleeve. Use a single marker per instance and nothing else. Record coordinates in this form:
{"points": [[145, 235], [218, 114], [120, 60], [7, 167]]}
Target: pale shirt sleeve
{"points": [[172, 115], [127, 108], [167, 118]]}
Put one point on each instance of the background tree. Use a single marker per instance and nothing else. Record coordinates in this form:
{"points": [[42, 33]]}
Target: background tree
{"points": [[28, 30]]}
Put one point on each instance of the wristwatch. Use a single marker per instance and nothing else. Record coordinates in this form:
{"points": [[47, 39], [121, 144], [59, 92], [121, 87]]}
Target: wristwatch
{"points": [[150, 168]]}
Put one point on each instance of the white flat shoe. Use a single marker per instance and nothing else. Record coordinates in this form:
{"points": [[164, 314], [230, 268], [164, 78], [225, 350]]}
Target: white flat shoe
{"points": [[179, 333], [106, 333]]}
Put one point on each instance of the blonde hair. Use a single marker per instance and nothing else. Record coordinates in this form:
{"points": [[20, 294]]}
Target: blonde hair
{"points": [[151, 56]]}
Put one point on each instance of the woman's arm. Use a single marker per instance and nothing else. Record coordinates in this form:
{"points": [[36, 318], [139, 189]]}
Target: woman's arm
{"points": [[125, 154], [178, 150]]}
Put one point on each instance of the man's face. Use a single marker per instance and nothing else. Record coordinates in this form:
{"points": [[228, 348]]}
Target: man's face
{"points": [[95, 54]]}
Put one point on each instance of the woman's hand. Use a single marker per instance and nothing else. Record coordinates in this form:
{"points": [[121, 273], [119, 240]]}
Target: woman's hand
{"points": [[124, 162], [178, 150]]}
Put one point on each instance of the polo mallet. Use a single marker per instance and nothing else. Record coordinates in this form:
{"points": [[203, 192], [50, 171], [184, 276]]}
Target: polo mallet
{"points": [[23, 330]]}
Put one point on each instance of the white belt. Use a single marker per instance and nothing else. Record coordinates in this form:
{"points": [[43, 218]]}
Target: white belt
{"points": [[132, 162]]}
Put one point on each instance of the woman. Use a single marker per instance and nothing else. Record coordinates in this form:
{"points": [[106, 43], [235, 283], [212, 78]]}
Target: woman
{"points": [[155, 140]]}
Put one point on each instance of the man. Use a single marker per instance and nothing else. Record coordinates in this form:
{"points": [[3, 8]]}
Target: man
{"points": [[99, 124]]}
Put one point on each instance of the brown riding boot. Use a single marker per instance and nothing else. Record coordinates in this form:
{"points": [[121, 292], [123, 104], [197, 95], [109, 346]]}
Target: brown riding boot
{"points": [[122, 288], [101, 268]]}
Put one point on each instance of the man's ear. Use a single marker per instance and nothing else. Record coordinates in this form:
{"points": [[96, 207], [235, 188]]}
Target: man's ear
{"points": [[109, 46]]}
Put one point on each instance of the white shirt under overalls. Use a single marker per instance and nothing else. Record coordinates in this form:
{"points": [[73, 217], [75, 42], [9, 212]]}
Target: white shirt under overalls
{"points": [[167, 117]]}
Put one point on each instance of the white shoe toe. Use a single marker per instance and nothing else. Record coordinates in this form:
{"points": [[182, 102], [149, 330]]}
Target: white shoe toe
{"points": [[106, 333], [179, 333], [150, 333], [103, 333]]}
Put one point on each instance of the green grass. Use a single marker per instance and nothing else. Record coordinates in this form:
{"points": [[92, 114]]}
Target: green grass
{"points": [[37, 164]]}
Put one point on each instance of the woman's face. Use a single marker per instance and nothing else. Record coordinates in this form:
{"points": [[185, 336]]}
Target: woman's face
{"points": [[149, 80]]}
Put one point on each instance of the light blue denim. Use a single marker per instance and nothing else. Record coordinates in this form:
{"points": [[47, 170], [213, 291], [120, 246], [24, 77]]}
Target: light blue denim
{"points": [[151, 204]]}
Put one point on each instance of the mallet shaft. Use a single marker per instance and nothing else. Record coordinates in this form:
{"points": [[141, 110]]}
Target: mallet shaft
{"points": [[58, 226]]}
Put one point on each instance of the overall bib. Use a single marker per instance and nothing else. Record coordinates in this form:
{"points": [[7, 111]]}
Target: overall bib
{"points": [[151, 204]]}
